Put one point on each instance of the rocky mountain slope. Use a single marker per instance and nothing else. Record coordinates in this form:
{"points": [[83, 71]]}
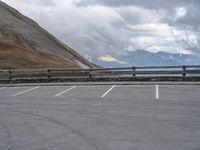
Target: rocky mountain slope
{"points": [[24, 44]]}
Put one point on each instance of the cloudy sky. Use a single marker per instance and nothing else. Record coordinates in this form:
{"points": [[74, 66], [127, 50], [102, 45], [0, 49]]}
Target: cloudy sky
{"points": [[102, 27]]}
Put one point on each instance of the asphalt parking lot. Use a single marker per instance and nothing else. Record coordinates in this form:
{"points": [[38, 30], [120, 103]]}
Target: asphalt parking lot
{"points": [[100, 117]]}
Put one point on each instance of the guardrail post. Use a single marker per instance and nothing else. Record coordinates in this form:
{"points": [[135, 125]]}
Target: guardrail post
{"points": [[134, 69], [90, 73], [184, 71], [49, 73], [10, 75]]}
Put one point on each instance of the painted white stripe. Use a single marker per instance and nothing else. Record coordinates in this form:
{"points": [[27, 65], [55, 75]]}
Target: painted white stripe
{"points": [[108, 91], [26, 91], [157, 92], [1, 88], [65, 91]]}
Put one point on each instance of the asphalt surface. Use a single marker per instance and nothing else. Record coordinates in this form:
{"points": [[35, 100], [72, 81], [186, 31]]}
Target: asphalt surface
{"points": [[100, 117]]}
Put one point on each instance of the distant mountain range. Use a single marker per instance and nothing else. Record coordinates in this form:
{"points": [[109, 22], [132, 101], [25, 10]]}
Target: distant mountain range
{"points": [[24, 44], [145, 58]]}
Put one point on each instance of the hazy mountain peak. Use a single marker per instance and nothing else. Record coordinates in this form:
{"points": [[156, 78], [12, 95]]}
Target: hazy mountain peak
{"points": [[110, 58]]}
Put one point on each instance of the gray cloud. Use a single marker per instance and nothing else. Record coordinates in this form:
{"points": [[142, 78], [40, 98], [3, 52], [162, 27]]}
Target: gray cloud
{"points": [[169, 6], [46, 2], [156, 4]]}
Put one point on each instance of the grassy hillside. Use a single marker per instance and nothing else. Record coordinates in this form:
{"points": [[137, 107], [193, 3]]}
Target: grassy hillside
{"points": [[24, 44], [15, 56]]}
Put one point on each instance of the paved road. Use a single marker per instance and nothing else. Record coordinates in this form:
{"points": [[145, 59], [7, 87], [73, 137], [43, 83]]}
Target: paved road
{"points": [[100, 117]]}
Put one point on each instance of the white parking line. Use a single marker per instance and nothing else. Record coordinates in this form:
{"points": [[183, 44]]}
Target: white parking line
{"points": [[157, 92], [1, 88], [108, 91], [26, 91], [65, 91]]}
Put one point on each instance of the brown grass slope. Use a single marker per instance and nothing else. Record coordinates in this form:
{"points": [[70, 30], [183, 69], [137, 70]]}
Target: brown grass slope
{"points": [[14, 56], [24, 44]]}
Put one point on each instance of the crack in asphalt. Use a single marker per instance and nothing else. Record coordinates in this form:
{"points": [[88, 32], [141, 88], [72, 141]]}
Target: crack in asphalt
{"points": [[9, 145]]}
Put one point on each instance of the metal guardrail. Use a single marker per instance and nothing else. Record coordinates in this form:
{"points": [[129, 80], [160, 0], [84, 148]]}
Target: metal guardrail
{"points": [[134, 71]]}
